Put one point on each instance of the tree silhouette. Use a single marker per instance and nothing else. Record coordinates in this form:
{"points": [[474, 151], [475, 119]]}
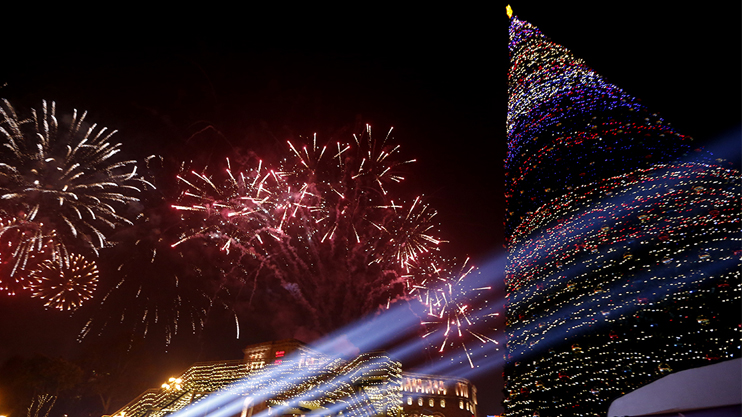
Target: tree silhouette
{"points": [[34, 384]]}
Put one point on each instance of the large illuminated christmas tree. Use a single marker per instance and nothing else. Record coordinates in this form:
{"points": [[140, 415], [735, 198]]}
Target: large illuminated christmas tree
{"points": [[624, 244]]}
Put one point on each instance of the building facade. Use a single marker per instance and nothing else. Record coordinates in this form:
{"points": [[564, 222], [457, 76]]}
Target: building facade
{"points": [[437, 396], [624, 242], [286, 377]]}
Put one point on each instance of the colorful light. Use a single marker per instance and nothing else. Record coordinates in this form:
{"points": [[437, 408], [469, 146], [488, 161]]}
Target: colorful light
{"points": [[619, 254]]}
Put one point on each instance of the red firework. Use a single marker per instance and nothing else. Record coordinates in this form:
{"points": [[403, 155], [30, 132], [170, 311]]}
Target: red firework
{"points": [[322, 222]]}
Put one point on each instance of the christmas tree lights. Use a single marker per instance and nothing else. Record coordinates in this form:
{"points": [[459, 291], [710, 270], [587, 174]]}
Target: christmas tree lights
{"points": [[624, 263], [567, 125]]}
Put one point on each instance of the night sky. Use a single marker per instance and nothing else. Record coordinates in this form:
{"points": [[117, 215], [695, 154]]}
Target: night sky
{"points": [[198, 84]]}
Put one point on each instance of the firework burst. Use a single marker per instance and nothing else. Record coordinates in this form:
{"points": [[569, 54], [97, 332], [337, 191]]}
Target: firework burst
{"points": [[64, 284], [322, 223], [63, 176], [456, 312]]}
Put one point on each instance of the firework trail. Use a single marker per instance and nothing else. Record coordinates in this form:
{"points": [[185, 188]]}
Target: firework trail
{"points": [[22, 246], [151, 288], [62, 175], [322, 223]]}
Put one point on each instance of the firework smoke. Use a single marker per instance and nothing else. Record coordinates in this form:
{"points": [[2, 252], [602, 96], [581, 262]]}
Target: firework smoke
{"points": [[322, 223]]}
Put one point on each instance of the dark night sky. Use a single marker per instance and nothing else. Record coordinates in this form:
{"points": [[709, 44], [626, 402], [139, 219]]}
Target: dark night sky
{"points": [[439, 76]]}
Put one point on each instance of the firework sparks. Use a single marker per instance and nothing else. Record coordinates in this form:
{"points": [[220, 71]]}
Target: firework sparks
{"points": [[454, 310], [63, 176], [22, 246], [158, 291], [322, 223], [152, 289], [66, 284], [409, 233]]}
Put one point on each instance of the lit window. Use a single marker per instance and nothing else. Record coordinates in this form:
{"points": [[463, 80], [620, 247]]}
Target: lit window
{"points": [[431, 402], [461, 405], [420, 402], [443, 403], [409, 400]]}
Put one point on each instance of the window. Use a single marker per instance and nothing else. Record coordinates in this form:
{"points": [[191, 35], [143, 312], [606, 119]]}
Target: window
{"points": [[462, 390], [443, 403], [409, 400], [461, 404], [420, 402], [431, 402]]}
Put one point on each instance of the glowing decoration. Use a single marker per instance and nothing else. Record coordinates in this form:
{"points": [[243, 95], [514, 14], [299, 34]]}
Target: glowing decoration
{"points": [[173, 384], [366, 386], [64, 284], [323, 222], [620, 255], [306, 382], [560, 110]]}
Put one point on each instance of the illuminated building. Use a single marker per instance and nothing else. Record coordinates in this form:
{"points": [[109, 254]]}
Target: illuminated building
{"points": [[288, 378], [624, 252], [439, 396]]}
